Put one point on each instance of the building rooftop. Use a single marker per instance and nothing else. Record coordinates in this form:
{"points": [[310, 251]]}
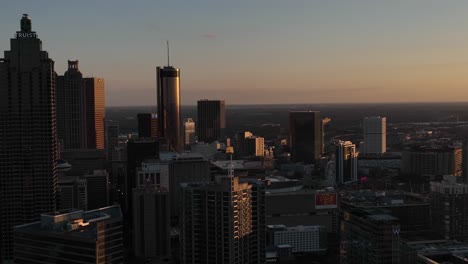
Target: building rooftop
{"points": [[295, 228], [368, 198], [76, 223]]}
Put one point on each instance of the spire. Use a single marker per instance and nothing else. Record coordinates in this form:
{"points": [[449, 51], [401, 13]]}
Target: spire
{"points": [[168, 64]]}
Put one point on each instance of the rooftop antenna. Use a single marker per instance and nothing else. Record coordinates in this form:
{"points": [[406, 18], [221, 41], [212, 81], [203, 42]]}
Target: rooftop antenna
{"points": [[168, 64]]}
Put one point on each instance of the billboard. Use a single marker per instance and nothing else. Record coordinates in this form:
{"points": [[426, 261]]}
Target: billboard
{"points": [[325, 201]]}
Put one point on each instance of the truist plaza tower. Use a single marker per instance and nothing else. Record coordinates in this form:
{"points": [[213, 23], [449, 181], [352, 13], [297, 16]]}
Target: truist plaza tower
{"points": [[28, 146], [168, 96]]}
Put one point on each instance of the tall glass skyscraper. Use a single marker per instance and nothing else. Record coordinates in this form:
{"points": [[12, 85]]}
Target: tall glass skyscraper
{"points": [[168, 96], [28, 140]]}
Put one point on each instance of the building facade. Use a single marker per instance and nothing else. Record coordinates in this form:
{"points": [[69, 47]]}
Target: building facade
{"points": [[449, 210], [222, 222], [305, 128], [186, 167], [211, 120], [302, 239], [375, 135], [151, 217], [369, 237], [168, 98], [28, 142]]}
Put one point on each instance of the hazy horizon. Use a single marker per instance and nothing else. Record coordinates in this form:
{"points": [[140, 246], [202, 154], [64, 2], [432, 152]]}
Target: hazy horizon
{"points": [[255, 52]]}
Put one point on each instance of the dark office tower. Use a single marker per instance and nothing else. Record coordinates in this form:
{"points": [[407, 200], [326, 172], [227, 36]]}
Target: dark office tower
{"points": [[168, 93], [305, 136], [148, 125], [151, 235], [222, 222], [95, 112], [97, 189], [137, 151], [28, 142], [112, 139], [211, 120], [71, 108]]}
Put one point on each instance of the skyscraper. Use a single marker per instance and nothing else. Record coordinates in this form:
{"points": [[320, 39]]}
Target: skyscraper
{"points": [[375, 135], [346, 162], [95, 112], [151, 235], [28, 143], [168, 96], [211, 120], [186, 167], [71, 108], [148, 125], [305, 136], [80, 110], [223, 222]]}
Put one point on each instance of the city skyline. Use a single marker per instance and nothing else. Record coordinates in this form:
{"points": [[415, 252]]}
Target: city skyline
{"points": [[333, 52]]}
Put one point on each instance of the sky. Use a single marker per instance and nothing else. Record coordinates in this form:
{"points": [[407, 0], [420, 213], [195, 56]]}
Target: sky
{"points": [[259, 52]]}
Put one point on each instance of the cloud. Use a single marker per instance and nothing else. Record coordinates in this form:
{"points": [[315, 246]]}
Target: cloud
{"points": [[209, 36]]}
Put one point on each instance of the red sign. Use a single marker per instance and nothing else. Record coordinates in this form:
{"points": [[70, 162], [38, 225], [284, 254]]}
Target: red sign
{"points": [[325, 200]]}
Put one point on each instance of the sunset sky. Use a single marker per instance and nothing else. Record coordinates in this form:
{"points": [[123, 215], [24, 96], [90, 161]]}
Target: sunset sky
{"points": [[265, 52]]}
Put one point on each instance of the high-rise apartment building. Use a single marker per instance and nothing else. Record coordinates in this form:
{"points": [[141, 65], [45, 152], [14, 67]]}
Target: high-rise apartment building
{"points": [[346, 162], [449, 210], [305, 129], [72, 237], [426, 161], [186, 167], [148, 125], [28, 143], [211, 120], [151, 218], [168, 97], [223, 222], [375, 135], [80, 109], [189, 132]]}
